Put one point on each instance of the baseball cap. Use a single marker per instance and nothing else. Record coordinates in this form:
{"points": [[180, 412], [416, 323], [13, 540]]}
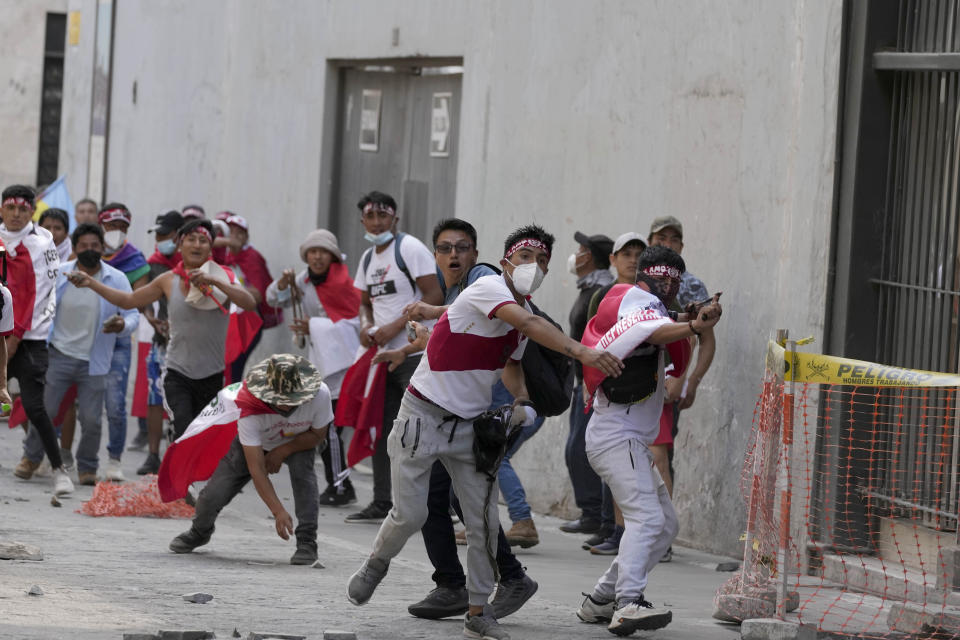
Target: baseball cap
{"points": [[193, 211], [600, 246], [114, 213], [625, 239], [238, 221], [663, 222], [167, 223]]}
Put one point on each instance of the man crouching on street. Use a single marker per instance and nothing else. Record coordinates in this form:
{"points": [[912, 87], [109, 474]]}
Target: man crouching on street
{"points": [[478, 339], [285, 411]]}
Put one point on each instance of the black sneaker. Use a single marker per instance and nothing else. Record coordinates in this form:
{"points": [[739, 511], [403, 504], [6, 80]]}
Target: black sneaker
{"points": [[139, 442], [581, 525], [511, 595], [373, 514], [596, 538], [330, 497], [638, 615], [189, 540], [305, 554], [442, 602], [150, 465]]}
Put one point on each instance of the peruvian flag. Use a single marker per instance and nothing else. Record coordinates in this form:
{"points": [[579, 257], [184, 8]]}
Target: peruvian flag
{"points": [[241, 330], [361, 405], [196, 454]]}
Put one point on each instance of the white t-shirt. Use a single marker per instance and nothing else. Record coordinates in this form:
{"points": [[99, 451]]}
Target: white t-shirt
{"points": [[272, 430], [640, 314], [6, 316], [388, 287], [77, 321], [468, 349]]}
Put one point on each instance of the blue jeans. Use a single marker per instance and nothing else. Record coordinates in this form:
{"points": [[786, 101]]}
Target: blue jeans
{"points": [[116, 397], [62, 372], [510, 485]]}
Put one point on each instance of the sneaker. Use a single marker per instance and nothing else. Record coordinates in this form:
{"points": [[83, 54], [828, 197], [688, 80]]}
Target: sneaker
{"points": [[511, 595], [189, 540], [364, 582], [150, 465], [596, 538], [44, 470], [484, 626], [68, 463], [373, 514], [442, 602], [305, 554], [581, 525], [610, 546], [114, 472], [139, 442], [461, 537], [596, 609], [87, 478], [638, 615], [523, 534], [26, 468], [668, 555], [62, 484], [330, 497]]}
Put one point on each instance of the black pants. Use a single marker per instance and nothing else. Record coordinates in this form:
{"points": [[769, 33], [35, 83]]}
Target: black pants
{"points": [[185, 397], [334, 444], [438, 537], [397, 381], [29, 367]]}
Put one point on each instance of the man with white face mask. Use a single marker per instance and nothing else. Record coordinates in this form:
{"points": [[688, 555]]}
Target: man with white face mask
{"points": [[118, 253], [478, 339]]}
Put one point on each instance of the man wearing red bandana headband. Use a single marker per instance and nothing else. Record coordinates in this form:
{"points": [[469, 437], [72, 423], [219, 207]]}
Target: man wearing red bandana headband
{"points": [[634, 323]]}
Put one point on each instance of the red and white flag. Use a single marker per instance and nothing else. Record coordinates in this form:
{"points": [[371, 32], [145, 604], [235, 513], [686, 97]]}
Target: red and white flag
{"points": [[196, 454], [361, 405]]}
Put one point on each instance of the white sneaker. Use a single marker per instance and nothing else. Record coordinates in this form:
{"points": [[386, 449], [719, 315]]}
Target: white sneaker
{"points": [[638, 615], [62, 484], [114, 472], [44, 470], [595, 610]]}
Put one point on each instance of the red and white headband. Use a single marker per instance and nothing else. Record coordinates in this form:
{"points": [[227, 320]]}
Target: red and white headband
{"points": [[18, 201], [663, 270], [377, 206], [110, 215], [202, 231], [530, 243]]}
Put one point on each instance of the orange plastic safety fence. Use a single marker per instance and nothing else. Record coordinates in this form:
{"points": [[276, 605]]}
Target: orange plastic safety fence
{"points": [[140, 498], [874, 547]]}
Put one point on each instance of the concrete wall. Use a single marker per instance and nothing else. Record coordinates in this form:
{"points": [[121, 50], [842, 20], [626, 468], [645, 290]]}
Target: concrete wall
{"points": [[22, 33], [581, 116]]}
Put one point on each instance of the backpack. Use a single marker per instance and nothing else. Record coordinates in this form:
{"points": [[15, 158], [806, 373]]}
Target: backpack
{"points": [[548, 374], [397, 256]]}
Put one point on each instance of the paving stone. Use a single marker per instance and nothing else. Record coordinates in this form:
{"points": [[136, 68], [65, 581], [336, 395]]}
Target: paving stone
{"points": [[255, 635], [198, 597], [55, 502], [187, 635], [728, 566], [140, 636], [339, 635], [10, 550], [35, 590], [774, 629]]}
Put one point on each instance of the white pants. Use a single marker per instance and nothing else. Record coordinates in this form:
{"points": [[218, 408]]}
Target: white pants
{"points": [[419, 437], [650, 522]]}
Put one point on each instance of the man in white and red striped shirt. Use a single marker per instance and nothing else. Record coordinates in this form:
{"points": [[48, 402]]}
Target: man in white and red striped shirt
{"points": [[479, 339], [31, 265]]}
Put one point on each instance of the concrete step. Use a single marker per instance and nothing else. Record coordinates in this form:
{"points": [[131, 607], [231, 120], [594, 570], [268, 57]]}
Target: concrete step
{"points": [[891, 581]]}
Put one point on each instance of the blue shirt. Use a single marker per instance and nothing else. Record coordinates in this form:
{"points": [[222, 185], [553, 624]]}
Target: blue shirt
{"points": [[101, 353], [477, 271]]}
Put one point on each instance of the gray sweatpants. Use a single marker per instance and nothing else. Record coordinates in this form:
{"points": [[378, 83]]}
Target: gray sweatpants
{"points": [[420, 436]]}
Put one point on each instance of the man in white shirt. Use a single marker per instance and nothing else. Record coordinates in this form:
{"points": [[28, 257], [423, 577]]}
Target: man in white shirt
{"points": [[625, 423], [286, 412], [477, 340], [395, 272]]}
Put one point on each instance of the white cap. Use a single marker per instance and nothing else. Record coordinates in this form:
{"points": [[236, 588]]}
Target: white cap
{"points": [[238, 221], [623, 240]]}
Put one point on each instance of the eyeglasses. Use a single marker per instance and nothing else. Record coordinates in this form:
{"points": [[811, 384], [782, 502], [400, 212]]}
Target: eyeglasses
{"points": [[460, 247]]}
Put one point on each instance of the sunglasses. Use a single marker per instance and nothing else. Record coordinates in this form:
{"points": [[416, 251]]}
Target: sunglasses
{"points": [[460, 247]]}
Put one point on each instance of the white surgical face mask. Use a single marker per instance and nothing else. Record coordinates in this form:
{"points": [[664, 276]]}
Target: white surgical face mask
{"points": [[113, 240], [572, 263], [380, 239], [526, 278], [167, 247]]}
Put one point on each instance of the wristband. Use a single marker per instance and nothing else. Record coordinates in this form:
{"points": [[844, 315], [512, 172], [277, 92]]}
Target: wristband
{"points": [[695, 332]]}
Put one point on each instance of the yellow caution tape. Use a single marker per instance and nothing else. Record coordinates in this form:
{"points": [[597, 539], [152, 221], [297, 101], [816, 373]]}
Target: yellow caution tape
{"points": [[816, 368]]}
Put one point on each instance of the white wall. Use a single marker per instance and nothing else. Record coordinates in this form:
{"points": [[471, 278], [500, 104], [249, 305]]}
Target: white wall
{"points": [[582, 116]]}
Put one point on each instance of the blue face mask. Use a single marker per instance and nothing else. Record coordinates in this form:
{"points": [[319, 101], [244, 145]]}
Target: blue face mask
{"points": [[380, 239], [167, 247]]}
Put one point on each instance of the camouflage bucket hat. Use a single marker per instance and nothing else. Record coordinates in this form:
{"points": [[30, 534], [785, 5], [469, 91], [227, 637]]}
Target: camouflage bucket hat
{"points": [[284, 379]]}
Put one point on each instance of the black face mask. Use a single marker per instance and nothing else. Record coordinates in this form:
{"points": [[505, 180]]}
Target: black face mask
{"points": [[89, 258], [316, 279], [666, 291]]}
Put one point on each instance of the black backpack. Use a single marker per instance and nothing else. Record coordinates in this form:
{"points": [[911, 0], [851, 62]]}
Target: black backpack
{"points": [[548, 374], [397, 256]]}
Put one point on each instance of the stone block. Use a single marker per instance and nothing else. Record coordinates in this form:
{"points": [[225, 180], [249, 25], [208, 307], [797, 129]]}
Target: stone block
{"points": [[339, 635], [259, 635], [140, 636], [728, 566], [774, 629], [10, 550], [187, 635], [913, 618], [198, 597]]}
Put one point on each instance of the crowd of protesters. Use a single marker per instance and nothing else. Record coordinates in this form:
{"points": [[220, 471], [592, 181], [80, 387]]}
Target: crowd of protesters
{"points": [[434, 359]]}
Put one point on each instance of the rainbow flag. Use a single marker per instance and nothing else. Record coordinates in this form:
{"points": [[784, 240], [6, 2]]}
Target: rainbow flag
{"points": [[56, 196]]}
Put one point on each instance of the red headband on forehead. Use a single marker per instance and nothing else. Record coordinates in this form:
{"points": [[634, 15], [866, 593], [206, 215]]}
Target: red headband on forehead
{"points": [[377, 206], [531, 243], [202, 231], [663, 270], [18, 201]]}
